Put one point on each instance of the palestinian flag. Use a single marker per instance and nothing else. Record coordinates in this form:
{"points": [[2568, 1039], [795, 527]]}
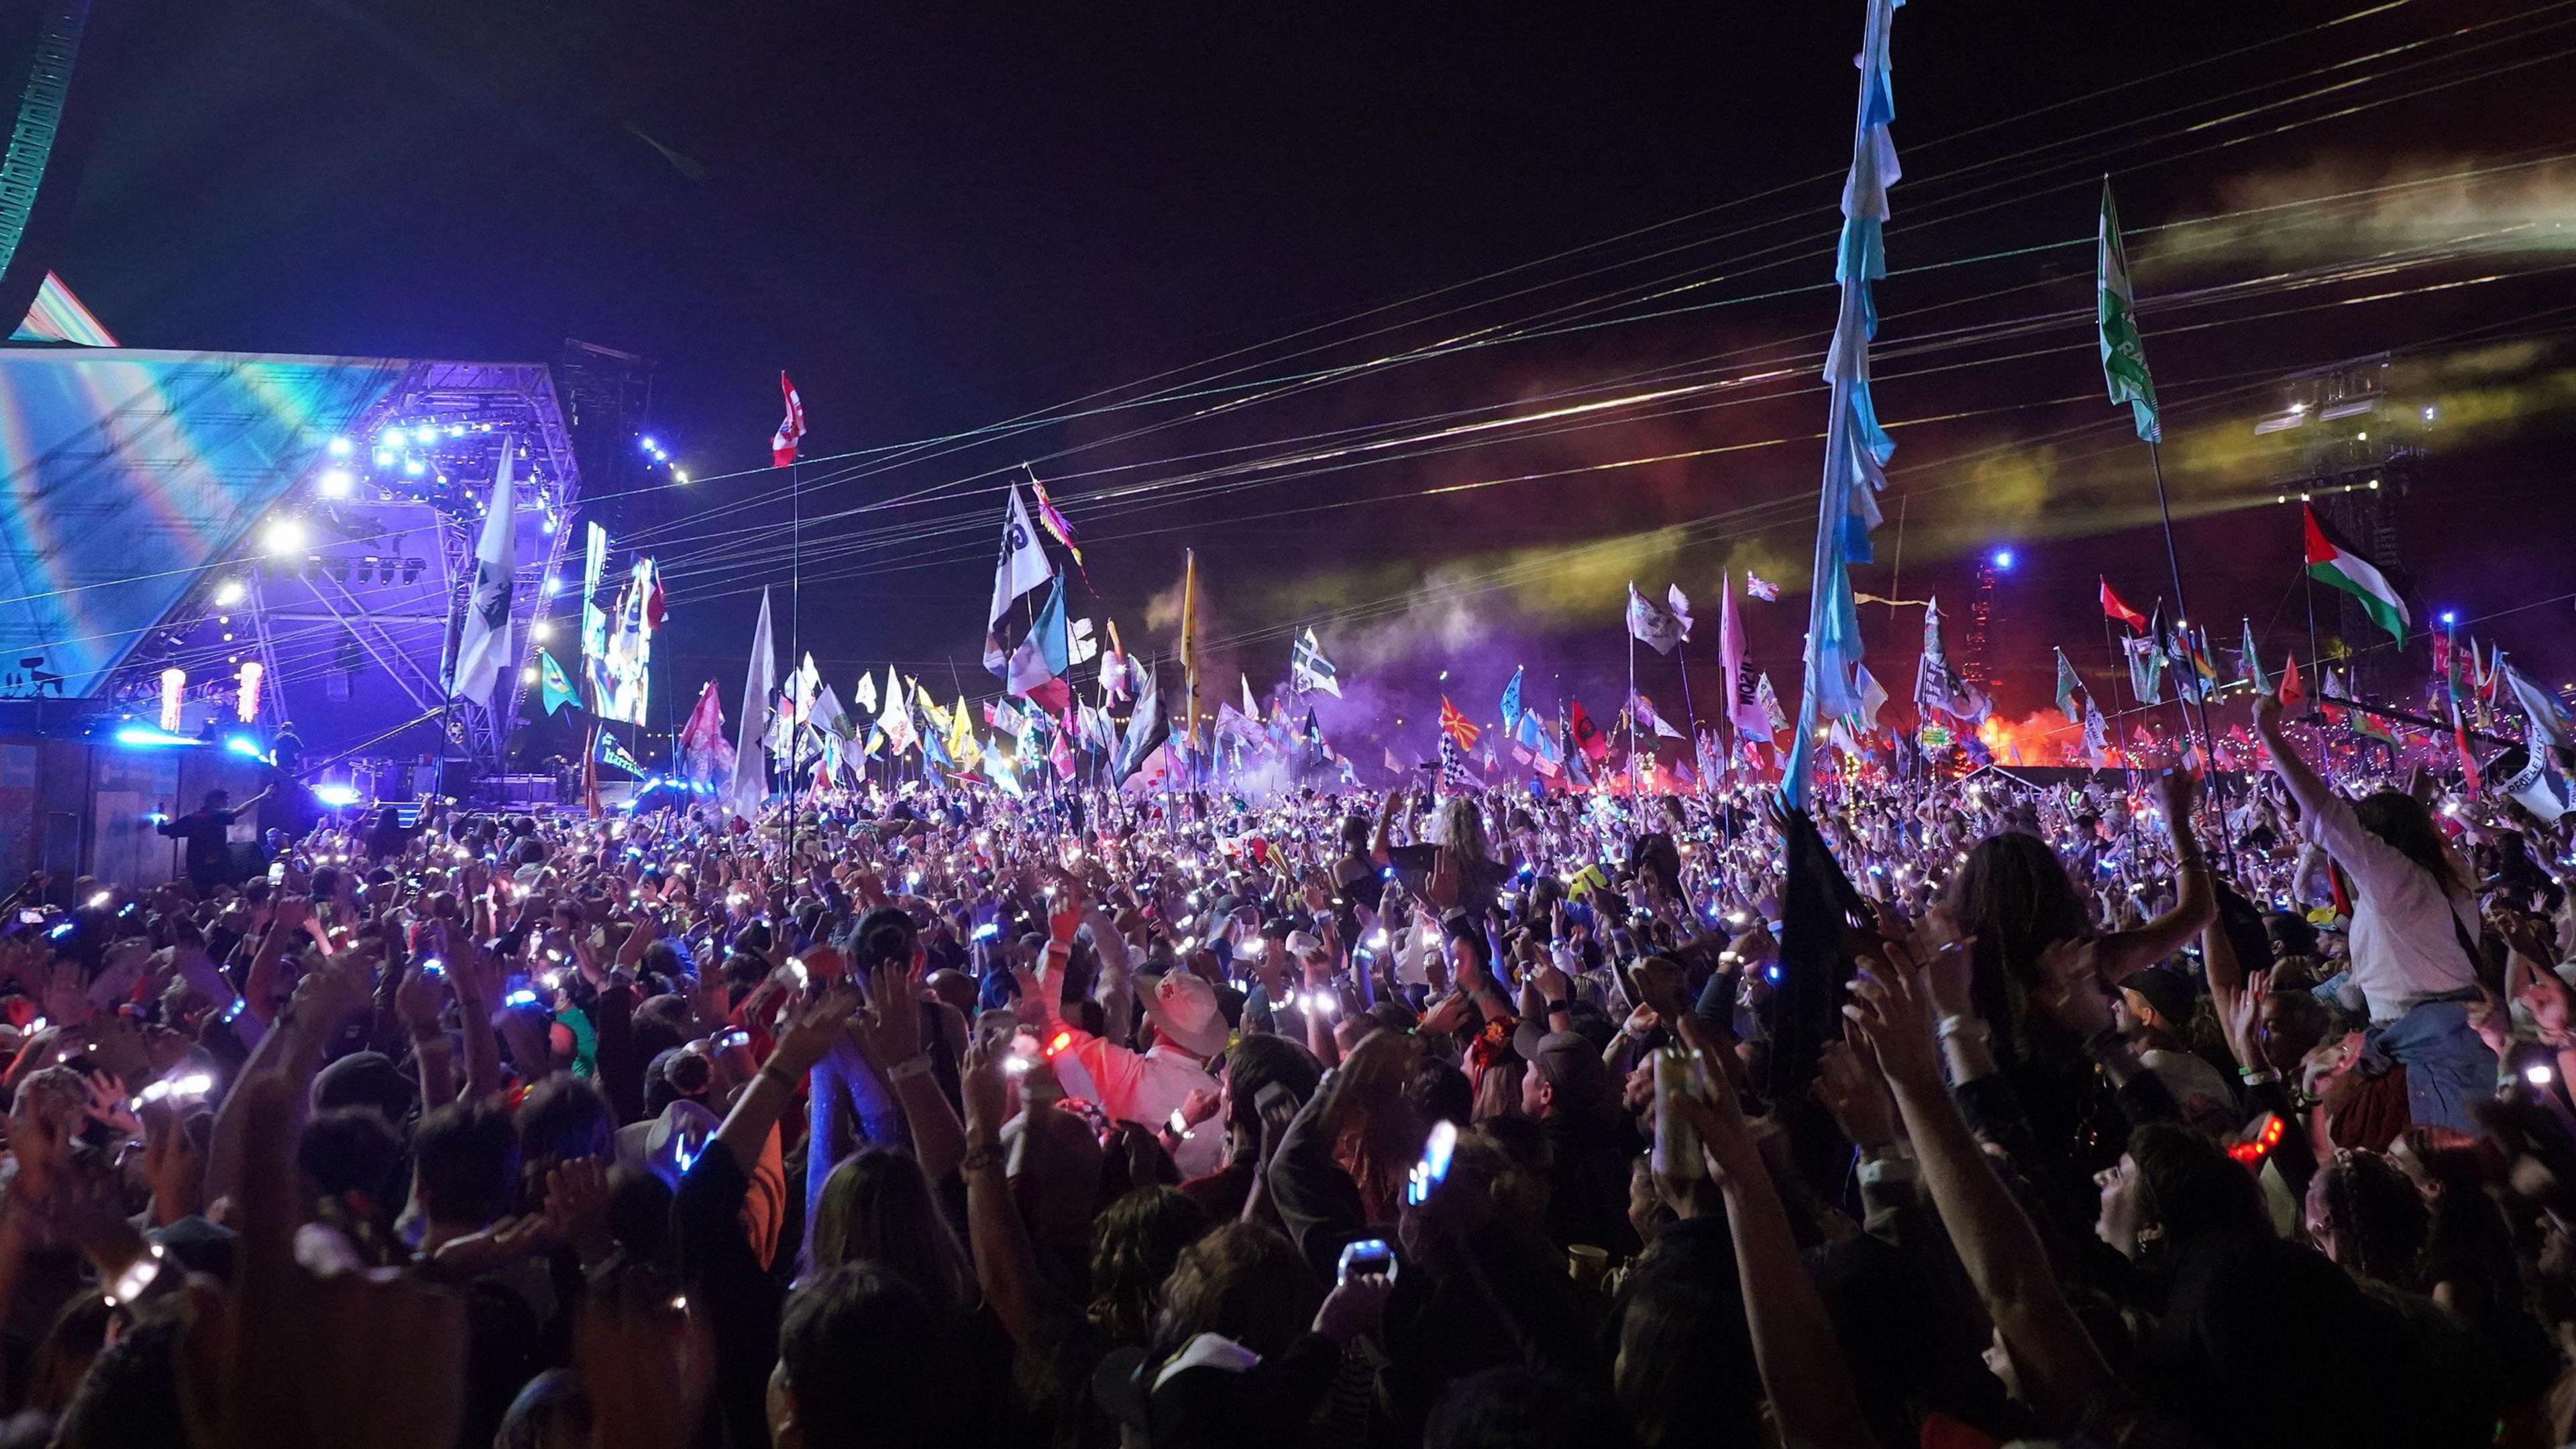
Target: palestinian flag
{"points": [[2371, 726], [2343, 569]]}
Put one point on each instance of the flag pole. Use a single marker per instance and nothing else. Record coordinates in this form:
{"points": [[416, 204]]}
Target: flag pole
{"points": [[795, 649], [1630, 713]]}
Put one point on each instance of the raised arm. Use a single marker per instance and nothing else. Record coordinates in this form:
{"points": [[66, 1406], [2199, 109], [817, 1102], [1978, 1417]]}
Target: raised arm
{"points": [[2060, 1369], [1801, 1362], [2195, 905]]}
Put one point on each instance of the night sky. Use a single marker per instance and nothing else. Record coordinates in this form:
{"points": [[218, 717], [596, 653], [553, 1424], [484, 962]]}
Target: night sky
{"points": [[940, 217]]}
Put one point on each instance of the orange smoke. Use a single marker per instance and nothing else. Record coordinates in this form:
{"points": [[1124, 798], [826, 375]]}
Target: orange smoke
{"points": [[2045, 738]]}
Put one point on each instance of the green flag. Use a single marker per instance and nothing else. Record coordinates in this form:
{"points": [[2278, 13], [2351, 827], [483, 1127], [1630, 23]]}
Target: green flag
{"points": [[2067, 683], [2124, 354], [553, 688], [2254, 663]]}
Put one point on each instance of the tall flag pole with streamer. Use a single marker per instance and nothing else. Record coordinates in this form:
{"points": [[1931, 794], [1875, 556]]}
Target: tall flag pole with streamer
{"points": [[2124, 368], [1856, 447]]}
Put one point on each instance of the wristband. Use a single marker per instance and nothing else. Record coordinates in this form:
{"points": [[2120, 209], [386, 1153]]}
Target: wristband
{"points": [[985, 1158], [1961, 1024], [1554, 1007], [909, 1068], [2254, 1078], [1877, 1170]]}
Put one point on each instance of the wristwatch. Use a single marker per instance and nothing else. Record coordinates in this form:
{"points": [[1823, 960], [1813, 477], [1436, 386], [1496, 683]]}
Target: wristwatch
{"points": [[984, 1158]]}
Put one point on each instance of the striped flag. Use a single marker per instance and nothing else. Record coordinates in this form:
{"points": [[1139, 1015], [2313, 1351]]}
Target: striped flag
{"points": [[2331, 564]]}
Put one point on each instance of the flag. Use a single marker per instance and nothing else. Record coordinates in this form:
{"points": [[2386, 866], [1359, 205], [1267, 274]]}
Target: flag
{"points": [[1251, 707], [1679, 603], [2067, 683], [2548, 718], [617, 756], [2486, 674], [2146, 665], [2124, 352], [1023, 567], [1455, 725], [483, 651], [704, 757], [1643, 710], [2341, 568], [1769, 699], [1453, 767], [2201, 664], [866, 694], [1309, 670], [1741, 709], [1584, 735], [2294, 690], [1512, 700], [555, 691], [782, 444], [1856, 446], [1873, 698], [2254, 662], [1651, 624], [1936, 685], [825, 714], [1394, 766], [1039, 664], [2371, 725], [2112, 608], [1147, 730], [750, 783], [2097, 738], [1757, 587], [896, 718], [1054, 521]]}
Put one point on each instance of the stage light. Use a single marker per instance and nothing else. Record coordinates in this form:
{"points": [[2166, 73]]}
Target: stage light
{"points": [[338, 797], [2449, 618], [413, 467], [679, 475], [541, 631], [554, 586], [286, 535], [339, 447], [456, 430], [384, 458], [230, 592], [550, 523], [2003, 560], [147, 738], [649, 445], [528, 675], [425, 435], [246, 746], [174, 688], [336, 482], [248, 705]]}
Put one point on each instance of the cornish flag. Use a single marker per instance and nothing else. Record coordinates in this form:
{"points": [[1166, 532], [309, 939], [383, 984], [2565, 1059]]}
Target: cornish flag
{"points": [[782, 444]]}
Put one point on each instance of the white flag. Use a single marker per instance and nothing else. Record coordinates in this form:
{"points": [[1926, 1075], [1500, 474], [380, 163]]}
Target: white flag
{"points": [[750, 784], [866, 693], [2548, 721], [1680, 605], [483, 653], [1023, 567]]}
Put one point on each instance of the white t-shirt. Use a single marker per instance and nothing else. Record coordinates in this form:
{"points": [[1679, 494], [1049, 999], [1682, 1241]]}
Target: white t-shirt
{"points": [[2406, 929]]}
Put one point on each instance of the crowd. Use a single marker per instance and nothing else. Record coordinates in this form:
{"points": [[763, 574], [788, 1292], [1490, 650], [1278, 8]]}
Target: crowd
{"points": [[1950, 1112]]}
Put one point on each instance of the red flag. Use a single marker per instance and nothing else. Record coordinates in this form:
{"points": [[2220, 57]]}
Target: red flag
{"points": [[1587, 735], [2294, 691], [2114, 609], [782, 444], [657, 605], [1455, 725]]}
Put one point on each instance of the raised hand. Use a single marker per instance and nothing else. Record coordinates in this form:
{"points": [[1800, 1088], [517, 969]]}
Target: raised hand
{"points": [[1849, 1086], [889, 1030], [1895, 1016], [816, 1028]]}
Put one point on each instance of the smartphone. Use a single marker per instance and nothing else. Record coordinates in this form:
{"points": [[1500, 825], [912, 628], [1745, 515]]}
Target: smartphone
{"points": [[432, 966], [31, 918], [1368, 1255], [1434, 1166]]}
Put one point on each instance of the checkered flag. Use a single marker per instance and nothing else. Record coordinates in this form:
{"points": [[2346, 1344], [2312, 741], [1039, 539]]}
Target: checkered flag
{"points": [[1454, 779]]}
